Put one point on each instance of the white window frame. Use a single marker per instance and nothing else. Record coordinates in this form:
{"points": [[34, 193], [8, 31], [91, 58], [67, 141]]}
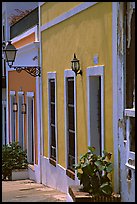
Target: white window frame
{"points": [[31, 95], [130, 154], [52, 75], [21, 93], [67, 74], [4, 135], [96, 71], [12, 93]]}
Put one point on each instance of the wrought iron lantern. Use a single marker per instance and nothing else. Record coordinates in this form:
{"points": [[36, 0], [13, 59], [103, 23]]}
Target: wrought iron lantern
{"points": [[10, 54], [75, 65]]}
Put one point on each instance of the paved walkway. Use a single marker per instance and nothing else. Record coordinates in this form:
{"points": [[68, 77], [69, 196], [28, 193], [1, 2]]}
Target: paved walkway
{"points": [[29, 191]]}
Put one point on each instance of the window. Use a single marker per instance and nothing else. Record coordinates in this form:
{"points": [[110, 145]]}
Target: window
{"points": [[52, 118], [20, 119], [12, 117], [130, 87], [4, 135], [95, 98], [70, 122], [30, 128]]}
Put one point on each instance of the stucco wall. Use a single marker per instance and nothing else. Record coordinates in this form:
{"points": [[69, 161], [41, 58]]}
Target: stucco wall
{"points": [[51, 10], [26, 83], [86, 34]]}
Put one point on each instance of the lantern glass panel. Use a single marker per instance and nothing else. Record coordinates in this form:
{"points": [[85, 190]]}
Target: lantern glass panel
{"points": [[10, 55]]}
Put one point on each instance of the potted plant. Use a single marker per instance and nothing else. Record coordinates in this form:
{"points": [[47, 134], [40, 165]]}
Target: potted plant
{"points": [[13, 158], [94, 175]]}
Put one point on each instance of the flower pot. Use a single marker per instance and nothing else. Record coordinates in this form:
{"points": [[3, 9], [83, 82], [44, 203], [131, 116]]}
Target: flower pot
{"points": [[78, 195], [19, 174]]}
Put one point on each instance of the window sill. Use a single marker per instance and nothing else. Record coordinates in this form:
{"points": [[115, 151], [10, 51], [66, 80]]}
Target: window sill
{"points": [[130, 112], [70, 174], [130, 166], [52, 161], [31, 167]]}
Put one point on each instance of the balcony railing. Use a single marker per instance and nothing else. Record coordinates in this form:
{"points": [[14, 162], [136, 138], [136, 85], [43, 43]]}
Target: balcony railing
{"points": [[24, 24]]}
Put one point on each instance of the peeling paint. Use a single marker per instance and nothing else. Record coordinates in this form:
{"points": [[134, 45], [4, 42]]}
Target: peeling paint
{"points": [[120, 28], [130, 6]]}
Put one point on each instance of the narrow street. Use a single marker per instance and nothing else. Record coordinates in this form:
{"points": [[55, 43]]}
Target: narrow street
{"points": [[29, 191]]}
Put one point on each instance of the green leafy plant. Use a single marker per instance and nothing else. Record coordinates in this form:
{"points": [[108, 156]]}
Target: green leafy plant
{"points": [[13, 157], [93, 172]]}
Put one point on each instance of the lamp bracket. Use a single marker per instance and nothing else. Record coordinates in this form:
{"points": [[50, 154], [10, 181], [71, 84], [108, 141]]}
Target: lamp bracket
{"points": [[32, 70]]}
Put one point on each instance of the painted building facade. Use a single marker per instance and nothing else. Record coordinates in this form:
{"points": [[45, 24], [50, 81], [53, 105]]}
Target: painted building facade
{"points": [[124, 98], [95, 100], [23, 88], [68, 100], [72, 112]]}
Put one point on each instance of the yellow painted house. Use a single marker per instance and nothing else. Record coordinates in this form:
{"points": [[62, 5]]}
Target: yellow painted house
{"points": [[67, 111], [77, 109]]}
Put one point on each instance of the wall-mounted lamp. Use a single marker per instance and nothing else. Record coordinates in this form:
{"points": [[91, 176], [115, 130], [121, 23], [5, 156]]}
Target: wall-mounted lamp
{"points": [[23, 111], [10, 54], [15, 107], [75, 65]]}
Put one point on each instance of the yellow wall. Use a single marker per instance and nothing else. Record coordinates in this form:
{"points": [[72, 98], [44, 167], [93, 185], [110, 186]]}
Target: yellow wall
{"points": [[86, 34], [51, 10]]}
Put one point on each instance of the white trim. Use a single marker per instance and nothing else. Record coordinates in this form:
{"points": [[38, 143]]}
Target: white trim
{"points": [[130, 166], [27, 47], [31, 95], [130, 112], [41, 142], [41, 3], [67, 74], [3, 123], [7, 107], [67, 15], [115, 95], [38, 123], [21, 93], [52, 75], [25, 34], [130, 154], [12, 93], [96, 71]]}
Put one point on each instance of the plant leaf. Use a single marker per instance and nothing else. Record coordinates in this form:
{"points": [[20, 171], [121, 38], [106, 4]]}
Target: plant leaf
{"points": [[109, 168], [92, 149], [106, 188]]}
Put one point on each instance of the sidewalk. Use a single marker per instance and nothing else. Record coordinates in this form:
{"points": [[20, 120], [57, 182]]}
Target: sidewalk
{"points": [[29, 191]]}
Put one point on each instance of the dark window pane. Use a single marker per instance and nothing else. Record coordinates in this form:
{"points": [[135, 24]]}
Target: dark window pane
{"points": [[72, 143], [71, 162], [53, 113], [71, 118], [52, 90], [53, 139], [53, 143], [53, 152], [70, 91]]}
